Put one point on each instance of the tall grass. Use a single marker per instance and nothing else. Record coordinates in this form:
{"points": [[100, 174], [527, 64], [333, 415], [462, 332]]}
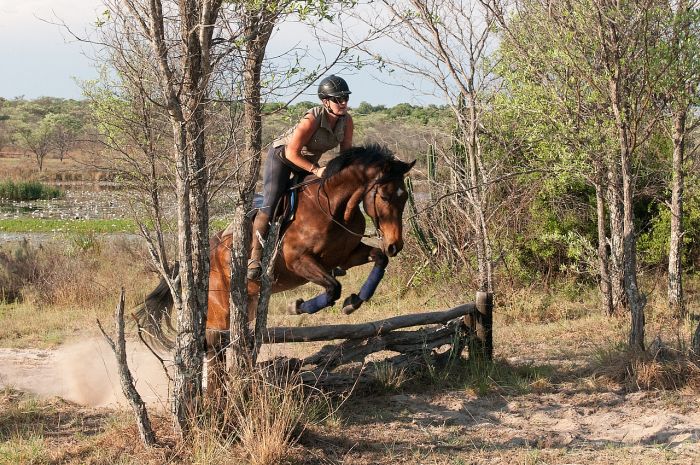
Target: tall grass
{"points": [[52, 290], [28, 190], [258, 419]]}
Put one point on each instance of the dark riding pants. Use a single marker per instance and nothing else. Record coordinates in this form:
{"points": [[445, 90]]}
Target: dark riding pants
{"points": [[276, 178]]}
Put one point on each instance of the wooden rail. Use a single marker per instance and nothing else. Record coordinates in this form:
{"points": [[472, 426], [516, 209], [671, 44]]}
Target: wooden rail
{"points": [[364, 330]]}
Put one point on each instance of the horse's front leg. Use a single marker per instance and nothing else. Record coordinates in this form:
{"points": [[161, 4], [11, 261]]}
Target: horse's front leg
{"points": [[361, 255], [307, 267]]}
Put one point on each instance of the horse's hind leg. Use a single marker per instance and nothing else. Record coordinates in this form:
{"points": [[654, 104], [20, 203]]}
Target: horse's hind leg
{"points": [[307, 267], [361, 255]]}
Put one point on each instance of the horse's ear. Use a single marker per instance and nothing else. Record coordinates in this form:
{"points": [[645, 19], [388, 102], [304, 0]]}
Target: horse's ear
{"points": [[409, 165]]}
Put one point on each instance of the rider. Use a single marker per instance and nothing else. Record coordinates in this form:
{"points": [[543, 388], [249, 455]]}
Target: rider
{"points": [[298, 150]]}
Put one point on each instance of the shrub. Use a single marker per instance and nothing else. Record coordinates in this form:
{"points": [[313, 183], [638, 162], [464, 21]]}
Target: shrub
{"points": [[18, 267], [72, 273]]}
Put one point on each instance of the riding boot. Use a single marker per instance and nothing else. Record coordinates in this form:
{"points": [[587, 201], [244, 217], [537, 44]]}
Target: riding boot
{"points": [[260, 227]]}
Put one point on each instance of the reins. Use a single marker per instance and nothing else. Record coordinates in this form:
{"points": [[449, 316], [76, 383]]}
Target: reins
{"points": [[375, 220], [305, 183]]}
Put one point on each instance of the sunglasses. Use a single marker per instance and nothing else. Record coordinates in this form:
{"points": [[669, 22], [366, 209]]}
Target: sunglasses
{"points": [[343, 99]]}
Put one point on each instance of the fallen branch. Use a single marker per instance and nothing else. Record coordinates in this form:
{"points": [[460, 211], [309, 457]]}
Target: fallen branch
{"points": [[127, 381]]}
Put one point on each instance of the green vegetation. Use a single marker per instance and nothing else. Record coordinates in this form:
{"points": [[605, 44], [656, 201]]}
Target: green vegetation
{"points": [[28, 190], [553, 235], [41, 225]]}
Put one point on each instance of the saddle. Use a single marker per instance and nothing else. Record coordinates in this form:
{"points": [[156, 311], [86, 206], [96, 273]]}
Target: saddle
{"points": [[287, 205]]}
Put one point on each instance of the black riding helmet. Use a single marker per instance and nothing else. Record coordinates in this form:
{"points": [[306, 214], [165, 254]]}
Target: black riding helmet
{"points": [[333, 86]]}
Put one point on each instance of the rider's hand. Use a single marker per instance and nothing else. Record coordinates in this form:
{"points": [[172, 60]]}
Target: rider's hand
{"points": [[318, 171]]}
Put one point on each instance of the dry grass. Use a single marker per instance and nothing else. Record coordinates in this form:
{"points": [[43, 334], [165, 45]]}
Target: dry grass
{"points": [[67, 286], [390, 378], [267, 415], [543, 341], [77, 167], [53, 431], [257, 425], [660, 369]]}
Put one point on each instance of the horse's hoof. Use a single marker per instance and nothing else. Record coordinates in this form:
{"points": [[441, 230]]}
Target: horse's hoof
{"points": [[351, 303], [338, 271], [294, 308]]}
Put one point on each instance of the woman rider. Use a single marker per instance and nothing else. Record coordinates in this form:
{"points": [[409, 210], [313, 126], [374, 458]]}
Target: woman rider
{"points": [[321, 129]]}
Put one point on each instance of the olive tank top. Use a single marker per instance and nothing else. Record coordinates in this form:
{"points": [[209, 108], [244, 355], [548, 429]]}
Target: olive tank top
{"points": [[323, 138]]}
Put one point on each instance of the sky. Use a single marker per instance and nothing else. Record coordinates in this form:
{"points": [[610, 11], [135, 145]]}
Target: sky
{"points": [[38, 58]]}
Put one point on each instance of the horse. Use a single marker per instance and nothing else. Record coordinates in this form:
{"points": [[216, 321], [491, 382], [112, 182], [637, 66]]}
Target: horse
{"points": [[326, 234]]}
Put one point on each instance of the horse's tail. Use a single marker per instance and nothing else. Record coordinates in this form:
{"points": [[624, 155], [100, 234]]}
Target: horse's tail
{"points": [[154, 315]]}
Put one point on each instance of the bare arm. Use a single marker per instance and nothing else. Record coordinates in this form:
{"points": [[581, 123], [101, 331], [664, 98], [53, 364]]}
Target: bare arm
{"points": [[301, 135]]}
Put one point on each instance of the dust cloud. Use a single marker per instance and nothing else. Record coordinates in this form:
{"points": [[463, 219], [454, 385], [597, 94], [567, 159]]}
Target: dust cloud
{"points": [[83, 372]]}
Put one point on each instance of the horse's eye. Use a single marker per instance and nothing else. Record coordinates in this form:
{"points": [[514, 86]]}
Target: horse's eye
{"points": [[385, 197]]}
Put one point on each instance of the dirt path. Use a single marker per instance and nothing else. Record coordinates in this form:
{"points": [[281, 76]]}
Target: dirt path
{"points": [[562, 418], [585, 423]]}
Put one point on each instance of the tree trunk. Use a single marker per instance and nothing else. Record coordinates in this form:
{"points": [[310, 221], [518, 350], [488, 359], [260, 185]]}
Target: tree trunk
{"points": [[238, 291], [675, 276], [636, 300], [40, 161], [603, 261], [126, 380], [477, 194], [617, 289], [696, 341], [258, 28], [193, 254], [188, 120]]}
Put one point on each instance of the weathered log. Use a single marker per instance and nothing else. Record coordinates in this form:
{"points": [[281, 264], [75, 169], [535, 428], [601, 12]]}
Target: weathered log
{"points": [[364, 330], [417, 342], [466, 324]]}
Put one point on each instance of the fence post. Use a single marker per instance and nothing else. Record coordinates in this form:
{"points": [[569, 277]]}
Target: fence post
{"points": [[481, 323]]}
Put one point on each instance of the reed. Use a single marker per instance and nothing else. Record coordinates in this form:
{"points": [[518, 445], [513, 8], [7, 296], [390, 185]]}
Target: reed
{"points": [[28, 190]]}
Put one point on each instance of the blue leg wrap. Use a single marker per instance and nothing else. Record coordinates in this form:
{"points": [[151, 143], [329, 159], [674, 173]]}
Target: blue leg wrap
{"points": [[317, 303], [372, 282]]}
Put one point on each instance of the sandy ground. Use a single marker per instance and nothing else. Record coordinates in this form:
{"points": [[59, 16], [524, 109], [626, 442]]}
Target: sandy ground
{"points": [[569, 415]]}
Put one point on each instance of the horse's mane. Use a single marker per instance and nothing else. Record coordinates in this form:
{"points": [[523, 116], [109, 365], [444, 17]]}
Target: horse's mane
{"points": [[366, 156]]}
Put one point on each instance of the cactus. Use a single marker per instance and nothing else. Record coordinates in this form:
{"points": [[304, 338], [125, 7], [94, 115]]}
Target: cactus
{"points": [[425, 241], [432, 159]]}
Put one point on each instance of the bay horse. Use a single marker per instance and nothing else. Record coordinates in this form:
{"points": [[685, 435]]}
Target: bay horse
{"points": [[326, 233]]}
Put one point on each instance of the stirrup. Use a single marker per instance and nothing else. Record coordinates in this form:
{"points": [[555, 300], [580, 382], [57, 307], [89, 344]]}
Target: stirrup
{"points": [[254, 269]]}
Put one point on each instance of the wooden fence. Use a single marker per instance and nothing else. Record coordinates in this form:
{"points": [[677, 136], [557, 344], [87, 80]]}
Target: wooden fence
{"points": [[442, 336]]}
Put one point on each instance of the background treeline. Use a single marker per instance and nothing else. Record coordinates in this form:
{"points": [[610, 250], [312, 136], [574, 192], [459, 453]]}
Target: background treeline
{"points": [[43, 126], [550, 217]]}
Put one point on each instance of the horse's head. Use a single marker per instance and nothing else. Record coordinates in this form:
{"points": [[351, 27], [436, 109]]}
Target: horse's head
{"points": [[378, 179], [384, 202]]}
